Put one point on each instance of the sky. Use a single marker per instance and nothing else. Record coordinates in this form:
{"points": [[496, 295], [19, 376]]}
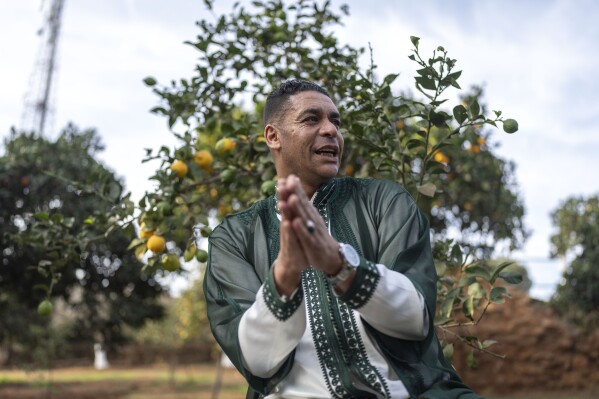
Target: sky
{"points": [[537, 60]]}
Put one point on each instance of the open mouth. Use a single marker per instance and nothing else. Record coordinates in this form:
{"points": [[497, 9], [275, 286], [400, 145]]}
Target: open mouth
{"points": [[327, 152]]}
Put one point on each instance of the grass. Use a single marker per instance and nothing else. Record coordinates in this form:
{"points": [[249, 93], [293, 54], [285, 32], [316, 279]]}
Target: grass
{"points": [[122, 383], [155, 382]]}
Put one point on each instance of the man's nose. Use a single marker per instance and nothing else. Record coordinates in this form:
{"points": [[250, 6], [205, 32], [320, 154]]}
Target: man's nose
{"points": [[329, 129]]}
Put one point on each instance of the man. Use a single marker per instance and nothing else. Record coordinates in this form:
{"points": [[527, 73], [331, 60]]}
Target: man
{"points": [[328, 288]]}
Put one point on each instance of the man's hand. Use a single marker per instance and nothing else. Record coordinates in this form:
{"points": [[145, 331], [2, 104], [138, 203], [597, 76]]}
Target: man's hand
{"points": [[320, 249], [291, 260]]}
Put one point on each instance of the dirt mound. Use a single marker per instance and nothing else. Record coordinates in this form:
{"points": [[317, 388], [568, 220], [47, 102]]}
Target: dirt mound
{"points": [[543, 352]]}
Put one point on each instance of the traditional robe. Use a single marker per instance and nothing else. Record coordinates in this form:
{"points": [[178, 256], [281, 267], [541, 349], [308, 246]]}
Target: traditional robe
{"points": [[381, 221]]}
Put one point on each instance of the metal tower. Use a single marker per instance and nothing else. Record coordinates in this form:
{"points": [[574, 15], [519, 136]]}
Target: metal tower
{"points": [[37, 99]]}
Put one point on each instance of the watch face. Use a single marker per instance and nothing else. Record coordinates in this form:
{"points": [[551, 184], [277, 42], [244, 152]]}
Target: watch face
{"points": [[351, 255]]}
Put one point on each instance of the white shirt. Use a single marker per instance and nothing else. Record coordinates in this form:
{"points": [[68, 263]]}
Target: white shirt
{"points": [[396, 308]]}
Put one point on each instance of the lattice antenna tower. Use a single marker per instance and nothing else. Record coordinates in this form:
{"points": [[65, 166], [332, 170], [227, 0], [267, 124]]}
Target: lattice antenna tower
{"points": [[37, 99]]}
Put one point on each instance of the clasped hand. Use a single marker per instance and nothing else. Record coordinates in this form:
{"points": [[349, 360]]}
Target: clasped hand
{"points": [[301, 248]]}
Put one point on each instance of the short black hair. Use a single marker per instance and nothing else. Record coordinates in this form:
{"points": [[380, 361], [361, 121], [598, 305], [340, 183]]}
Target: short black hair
{"points": [[277, 100]]}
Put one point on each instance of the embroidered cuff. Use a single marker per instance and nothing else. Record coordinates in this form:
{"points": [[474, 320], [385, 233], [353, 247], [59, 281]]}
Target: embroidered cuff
{"points": [[281, 307], [363, 286]]}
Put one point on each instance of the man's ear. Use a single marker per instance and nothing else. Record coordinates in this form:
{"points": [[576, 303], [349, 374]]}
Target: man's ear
{"points": [[272, 137]]}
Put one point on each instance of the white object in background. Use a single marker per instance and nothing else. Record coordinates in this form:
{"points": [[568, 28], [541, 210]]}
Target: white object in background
{"points": [[100, 361]]}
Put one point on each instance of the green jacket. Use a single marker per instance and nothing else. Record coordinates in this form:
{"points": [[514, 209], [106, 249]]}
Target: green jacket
{"points": [[378, 218]]}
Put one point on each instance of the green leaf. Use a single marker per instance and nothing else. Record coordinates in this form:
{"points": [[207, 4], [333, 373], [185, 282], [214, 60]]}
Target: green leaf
{"points": [[426, 83], [455, 75], [457, 255], [42, 216], [478, 271], [426, 71], [498, 270], [90, 220], [466, 280], [41, 287], [511, 277], [474, 109], [412, 143], [135, 242], [498, 295], [459, 113], [150, 81], [436, 103], [427, 189], [158, 110], [390, 78], [487, 343], [437, 119], [447, 306], [448, 352], [470, 360], [140, 251], [468, 307], [414, 40], [476, 290]]}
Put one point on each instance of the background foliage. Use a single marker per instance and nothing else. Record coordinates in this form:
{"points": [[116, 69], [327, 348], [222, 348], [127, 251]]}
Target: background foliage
{"points": [[577, 240], [442, 153], [53, 244], [442, 156]]}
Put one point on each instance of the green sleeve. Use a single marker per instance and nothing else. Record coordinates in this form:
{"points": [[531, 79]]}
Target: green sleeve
{"points": [[404, 246], [231, 282]]}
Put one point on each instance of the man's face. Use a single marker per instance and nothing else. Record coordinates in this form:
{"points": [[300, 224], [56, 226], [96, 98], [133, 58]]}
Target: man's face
{"points": [[310, 142]]}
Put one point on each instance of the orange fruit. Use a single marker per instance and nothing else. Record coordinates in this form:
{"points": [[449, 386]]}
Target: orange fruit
{"points": [[156, 244], [474, 148], [204, 159], [225, 145], [441, 158], [180, 168]]}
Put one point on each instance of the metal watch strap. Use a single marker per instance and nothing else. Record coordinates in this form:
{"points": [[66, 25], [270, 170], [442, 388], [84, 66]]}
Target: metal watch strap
{"points": [[346, 267]]}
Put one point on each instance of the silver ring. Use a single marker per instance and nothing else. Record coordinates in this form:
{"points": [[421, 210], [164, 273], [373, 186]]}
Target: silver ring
{"points": [[310, 226]]}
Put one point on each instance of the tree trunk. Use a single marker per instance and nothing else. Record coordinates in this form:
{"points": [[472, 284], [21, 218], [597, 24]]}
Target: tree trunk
{"points": [[218, 380]]}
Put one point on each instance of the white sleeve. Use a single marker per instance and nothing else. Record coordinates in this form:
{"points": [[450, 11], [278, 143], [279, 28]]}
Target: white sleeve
{"points": [[396, 308], [265, 340]]}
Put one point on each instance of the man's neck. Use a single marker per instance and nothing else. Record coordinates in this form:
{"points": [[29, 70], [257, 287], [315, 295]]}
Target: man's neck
{"points": [[309, 190]]}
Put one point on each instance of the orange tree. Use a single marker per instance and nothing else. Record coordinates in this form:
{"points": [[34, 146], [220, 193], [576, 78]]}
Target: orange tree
{"points": [[222, 164], [444, 158]]}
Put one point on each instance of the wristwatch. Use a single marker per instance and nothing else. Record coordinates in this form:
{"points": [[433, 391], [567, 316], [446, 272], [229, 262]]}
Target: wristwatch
{"points": [[351, 261]]}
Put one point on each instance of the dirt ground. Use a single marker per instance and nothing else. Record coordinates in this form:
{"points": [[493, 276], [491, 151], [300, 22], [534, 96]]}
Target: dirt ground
{"points": [[543, 353]]}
